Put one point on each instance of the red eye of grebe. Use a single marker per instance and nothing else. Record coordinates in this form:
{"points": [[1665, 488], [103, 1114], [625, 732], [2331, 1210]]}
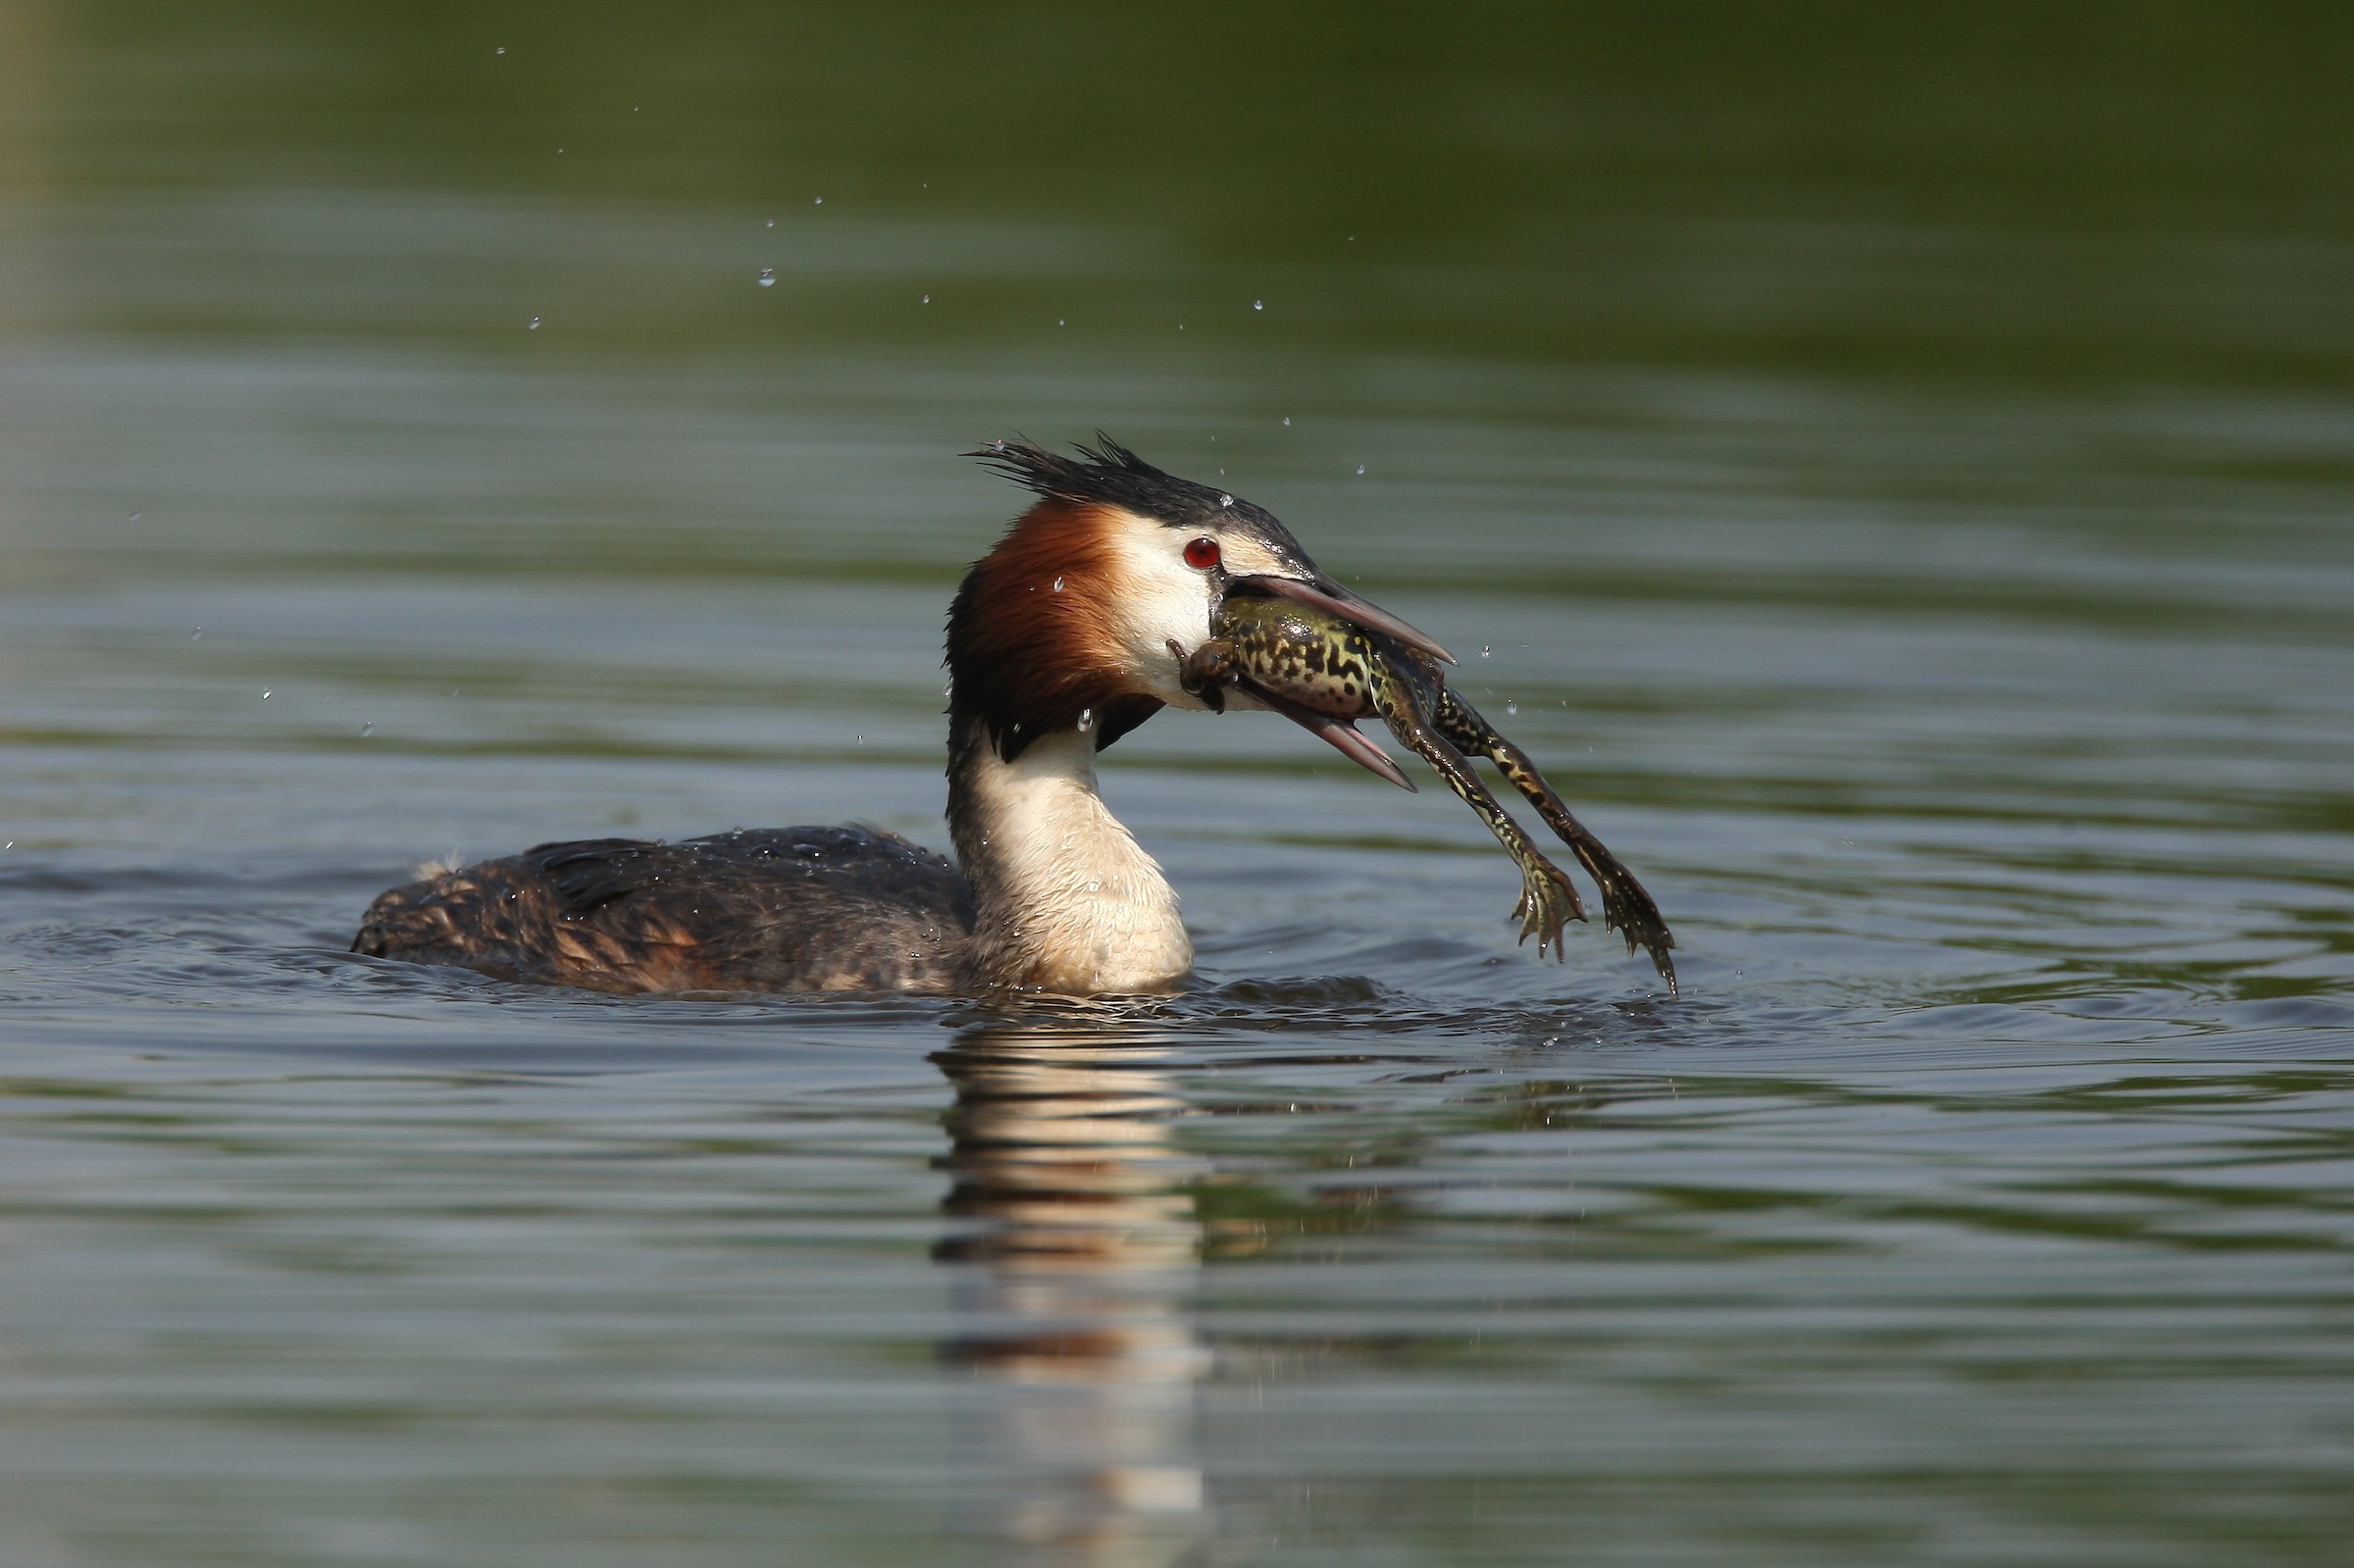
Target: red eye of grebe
{"points": [[1202, 553]]}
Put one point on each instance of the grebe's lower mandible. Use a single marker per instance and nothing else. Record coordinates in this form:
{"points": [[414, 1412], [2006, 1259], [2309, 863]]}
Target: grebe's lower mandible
{"points": [[1058, 644]]}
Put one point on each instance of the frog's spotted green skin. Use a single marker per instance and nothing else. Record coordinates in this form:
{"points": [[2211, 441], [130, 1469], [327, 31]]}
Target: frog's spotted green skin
{"points": [[1325, 673]]}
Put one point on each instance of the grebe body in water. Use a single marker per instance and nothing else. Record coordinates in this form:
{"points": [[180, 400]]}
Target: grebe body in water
{"points": [[1059, 643]]}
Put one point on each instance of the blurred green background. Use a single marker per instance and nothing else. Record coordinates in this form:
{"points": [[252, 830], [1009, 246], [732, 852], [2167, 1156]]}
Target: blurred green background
{"points": [[2085, 193]]}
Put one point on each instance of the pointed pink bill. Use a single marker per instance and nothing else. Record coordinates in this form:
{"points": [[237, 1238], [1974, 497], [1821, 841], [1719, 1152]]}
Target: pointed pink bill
{"points": [[1329, 597], [1342, 735]]}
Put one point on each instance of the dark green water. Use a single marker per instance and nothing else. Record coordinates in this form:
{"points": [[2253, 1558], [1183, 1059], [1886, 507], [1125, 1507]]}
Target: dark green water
{"points": [[1897, 473]]}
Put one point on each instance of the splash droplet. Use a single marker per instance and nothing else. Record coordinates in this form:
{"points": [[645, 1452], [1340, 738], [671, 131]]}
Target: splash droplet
{"points": [[927, 299], [365, 730], [768, 277], [1360, 468], [501, 50], [1287, 421], [820, 202], [1087, 719], [1486, 652], [196, 635], [1059, 584], [1510, 708], [1223, 498], [1258, 304], [535, 324], [772, 222], [266, 695]]}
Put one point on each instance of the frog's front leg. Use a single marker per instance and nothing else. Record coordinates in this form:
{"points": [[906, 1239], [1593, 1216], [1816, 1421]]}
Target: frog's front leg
{"points": [[1206, 671]]}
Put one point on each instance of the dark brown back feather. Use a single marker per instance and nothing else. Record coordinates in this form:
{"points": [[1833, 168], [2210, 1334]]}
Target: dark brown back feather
{"points": [[781, 909]]}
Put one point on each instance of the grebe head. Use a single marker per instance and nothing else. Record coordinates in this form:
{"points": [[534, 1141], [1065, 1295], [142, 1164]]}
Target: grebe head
{"points": [[1068, 622]]}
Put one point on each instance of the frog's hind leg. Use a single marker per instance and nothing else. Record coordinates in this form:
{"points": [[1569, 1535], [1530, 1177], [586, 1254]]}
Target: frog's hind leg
{"points": [[1548, 898], [1626, 907]]}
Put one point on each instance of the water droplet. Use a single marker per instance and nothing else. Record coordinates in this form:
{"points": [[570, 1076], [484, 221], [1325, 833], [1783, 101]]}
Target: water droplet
{"points": [[1017, 727], [266, 695], [1510, 708], [535, 324], [1287, 421], [862, 741], [1486, 652], [559, 149], [365, 730], [1225, 500], [502, 50], [1095, 884], [1059, 584], [949, 691], [772, 222], [196, 635], [768, 277], [1360, 468], [1258, 304], [135, 516], [1058, 321], [820, 202], [1087, 719], [927, 299]]}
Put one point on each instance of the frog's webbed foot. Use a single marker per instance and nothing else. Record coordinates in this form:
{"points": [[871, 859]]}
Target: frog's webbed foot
{"points": [[1627, 909], [1548, 903], [1206, 671]]}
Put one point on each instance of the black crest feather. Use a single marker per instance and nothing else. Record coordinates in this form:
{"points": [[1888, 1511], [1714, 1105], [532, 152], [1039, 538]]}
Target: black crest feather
{"points": [[1109, 474]]}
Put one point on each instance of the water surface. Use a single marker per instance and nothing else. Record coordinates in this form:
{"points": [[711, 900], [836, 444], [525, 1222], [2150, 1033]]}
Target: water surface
{"points": [[1894, 475]]}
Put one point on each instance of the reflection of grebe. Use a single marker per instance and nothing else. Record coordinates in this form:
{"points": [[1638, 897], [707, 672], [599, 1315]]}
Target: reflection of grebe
{"points": [[1059, 643], [1063, 1163]]}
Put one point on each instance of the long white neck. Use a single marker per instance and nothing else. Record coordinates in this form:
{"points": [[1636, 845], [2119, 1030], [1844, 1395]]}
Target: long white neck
{"points": [[1068, 901]]}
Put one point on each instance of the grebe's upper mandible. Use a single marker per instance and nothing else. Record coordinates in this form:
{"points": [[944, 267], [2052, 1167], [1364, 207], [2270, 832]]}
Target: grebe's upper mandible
{"points": [[1058, 643]]}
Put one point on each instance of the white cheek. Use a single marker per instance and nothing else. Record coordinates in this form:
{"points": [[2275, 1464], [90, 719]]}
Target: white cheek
{"points": [[1161, 600]]}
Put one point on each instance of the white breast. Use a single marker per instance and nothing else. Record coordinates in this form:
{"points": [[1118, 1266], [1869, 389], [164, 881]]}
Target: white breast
{"points": [[1075, 905]]}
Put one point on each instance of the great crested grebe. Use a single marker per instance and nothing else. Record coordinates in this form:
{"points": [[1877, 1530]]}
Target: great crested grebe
{"points": [[1065, 636]]}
